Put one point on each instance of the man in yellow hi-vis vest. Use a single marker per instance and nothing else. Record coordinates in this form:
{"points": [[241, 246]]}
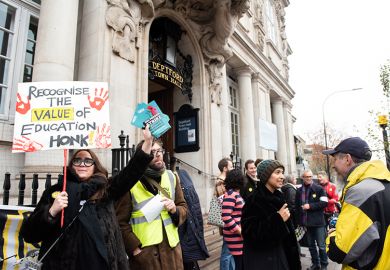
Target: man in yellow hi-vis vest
{"points": [[153, 244]]}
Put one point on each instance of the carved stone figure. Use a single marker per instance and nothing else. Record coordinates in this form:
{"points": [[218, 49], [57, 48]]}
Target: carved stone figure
{"points": [[218, 19], [259, 12], [260, 38], [216, 77], [124, 16]]}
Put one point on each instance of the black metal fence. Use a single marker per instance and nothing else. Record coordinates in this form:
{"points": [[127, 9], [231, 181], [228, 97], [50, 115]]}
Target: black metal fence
{"points": [[122, 155], [22, 188]]}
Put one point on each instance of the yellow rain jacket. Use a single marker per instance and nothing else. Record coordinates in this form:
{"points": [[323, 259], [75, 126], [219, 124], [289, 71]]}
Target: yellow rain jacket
{"points": [[362, 236]]}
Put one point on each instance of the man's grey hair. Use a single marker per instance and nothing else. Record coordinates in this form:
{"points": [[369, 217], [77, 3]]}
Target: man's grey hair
{"points": [[307, 171], [289, 179]]}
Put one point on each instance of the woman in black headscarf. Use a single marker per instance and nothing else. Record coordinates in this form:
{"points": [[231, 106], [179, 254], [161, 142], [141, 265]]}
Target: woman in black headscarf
{"points": [[267, 229]]}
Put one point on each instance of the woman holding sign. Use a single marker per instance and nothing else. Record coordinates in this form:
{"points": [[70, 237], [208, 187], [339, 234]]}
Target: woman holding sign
{"points": [[90, 237]]}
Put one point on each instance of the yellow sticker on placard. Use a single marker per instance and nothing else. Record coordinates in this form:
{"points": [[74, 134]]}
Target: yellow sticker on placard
{"points": [[55, 194]]}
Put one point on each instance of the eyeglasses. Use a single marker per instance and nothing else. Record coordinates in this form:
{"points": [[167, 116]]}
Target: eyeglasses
{"points": [[88, 162], [307, 176], [155, 152]]}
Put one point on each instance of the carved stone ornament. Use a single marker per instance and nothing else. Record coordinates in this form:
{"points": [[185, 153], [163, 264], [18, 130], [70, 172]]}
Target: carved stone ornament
{"points": [[259, 12], [260, 38], [218, 19], [124, 17], [216, 76]]}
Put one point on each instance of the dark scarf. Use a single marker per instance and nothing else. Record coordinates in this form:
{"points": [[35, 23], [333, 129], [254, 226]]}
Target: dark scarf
{"points": [[79, 191], [275, 198], [153, 174], [304, 200]]}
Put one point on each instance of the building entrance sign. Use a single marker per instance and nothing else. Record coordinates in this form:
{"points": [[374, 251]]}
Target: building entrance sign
{"points": [[186, 129], [165, 72]]}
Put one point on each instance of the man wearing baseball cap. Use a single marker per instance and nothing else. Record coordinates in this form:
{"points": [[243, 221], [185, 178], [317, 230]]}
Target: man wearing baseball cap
{"points": [[362, 236]]}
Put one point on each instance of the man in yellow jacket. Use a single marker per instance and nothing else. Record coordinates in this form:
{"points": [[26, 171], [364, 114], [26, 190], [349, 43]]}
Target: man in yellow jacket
{"points": [[153, 243], [361, 239]]}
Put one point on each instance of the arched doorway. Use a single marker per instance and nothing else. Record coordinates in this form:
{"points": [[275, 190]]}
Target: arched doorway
{"points": [[169, 71]]}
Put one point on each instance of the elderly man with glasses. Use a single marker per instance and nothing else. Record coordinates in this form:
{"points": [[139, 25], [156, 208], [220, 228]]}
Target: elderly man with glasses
{"points": [[310, 202], [361, 239]]}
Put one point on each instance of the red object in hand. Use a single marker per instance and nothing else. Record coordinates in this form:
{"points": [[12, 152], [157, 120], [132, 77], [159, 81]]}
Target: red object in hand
{"points": [[152, 110]]}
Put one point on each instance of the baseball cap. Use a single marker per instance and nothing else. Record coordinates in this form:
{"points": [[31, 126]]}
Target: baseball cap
{"points": [[354, 146]]}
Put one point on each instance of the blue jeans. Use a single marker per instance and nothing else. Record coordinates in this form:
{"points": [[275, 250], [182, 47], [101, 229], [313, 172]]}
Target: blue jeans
{"points": [[227, 261], [317, 234]]}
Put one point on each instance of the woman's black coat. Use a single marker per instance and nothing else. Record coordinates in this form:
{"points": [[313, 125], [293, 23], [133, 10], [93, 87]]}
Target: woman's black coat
{"points": [[191, 231], [269, 242], [94, 240]]}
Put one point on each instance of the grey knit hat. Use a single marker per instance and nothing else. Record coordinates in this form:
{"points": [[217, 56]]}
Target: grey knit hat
{"points": [[266, 168]]}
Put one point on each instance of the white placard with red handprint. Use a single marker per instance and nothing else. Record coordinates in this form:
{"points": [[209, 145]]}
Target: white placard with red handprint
{"points": [[61, 115]]}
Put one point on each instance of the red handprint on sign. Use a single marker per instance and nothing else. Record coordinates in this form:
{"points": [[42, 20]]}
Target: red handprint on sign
{"points": [[22, 107], [103, 137], [99, 99], [26, 145]]}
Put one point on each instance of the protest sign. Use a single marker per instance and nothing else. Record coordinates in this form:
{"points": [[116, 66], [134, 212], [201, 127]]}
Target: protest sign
{"points": [[12, 245], [61, 115]]}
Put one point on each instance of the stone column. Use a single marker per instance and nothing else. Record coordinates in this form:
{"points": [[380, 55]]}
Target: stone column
{"points": [[260, 107], [54, 61], [290, 139], [278, 115], [56, 41], [219, 126], [247, 125], [224, 139], [268, 113]]}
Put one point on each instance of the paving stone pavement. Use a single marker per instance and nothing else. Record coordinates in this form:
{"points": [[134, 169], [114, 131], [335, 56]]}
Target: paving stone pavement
{"points": [[306, 261]]}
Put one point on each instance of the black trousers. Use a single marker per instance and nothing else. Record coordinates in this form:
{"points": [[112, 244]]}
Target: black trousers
{"points": [[238, 262], [191, 265]]}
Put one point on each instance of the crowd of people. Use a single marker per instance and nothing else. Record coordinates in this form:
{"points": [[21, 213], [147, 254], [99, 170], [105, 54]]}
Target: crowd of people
{"points": [[263, 210], [106, 224]]}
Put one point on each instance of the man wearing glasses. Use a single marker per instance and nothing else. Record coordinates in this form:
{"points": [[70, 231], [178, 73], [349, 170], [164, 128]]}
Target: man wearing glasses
{"points": [[361, 239], [310, 202], [154, 244]]}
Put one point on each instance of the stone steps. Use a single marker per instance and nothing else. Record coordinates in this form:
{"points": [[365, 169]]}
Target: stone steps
{"points": [[214, 243]]}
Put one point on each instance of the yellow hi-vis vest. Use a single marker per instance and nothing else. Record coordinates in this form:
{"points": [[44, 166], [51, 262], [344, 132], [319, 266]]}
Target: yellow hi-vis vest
{"points": [[152, 233]]}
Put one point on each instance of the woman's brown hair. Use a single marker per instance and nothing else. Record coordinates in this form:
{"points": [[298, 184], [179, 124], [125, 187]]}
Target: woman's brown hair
{"points": [[98, 169], [98, 166]]}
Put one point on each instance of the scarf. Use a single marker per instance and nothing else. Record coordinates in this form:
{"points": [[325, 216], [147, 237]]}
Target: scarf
{"points": [[153, 174], [304, 200]]}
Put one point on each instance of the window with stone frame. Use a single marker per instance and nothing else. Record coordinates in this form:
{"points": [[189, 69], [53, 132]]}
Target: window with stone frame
{"points": [[234, 118], [18, 32], [270, 21]]}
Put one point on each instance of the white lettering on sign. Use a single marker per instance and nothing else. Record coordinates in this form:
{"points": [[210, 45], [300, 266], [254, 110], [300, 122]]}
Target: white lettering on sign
{"points": [[184, 125]]}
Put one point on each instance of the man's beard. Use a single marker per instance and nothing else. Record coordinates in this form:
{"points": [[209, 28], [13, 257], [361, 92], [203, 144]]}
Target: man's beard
{"points": [[156, 167]]}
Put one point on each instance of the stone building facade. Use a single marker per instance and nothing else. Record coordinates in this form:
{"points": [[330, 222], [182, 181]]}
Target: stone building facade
{"points": [[227, 59]]}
